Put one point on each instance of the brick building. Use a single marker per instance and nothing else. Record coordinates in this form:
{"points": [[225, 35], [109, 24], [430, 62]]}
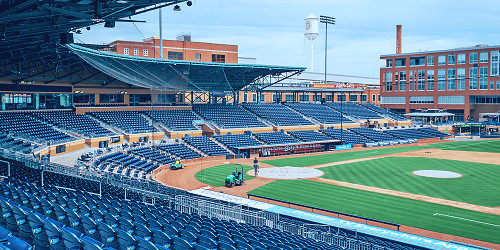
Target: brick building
{"points": [[180, 49], [464, 81]]}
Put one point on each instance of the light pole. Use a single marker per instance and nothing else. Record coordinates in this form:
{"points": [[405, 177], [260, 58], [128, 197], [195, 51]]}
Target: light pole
{"points": [[331, 20]]}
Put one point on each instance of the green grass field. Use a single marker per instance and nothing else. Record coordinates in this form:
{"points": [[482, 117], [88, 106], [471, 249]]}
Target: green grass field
{"points": [[492, 146], [215, 176], [336, 157], [404, 211], [479, 184]]}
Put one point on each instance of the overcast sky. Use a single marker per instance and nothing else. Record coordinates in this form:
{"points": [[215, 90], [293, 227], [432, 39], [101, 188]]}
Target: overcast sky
{"points": [[273, 30]]}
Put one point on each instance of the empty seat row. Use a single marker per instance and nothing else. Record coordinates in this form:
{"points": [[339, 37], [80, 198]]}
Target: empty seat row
{"points": [[347, 136], [319, 112], [309, 135], [131, 122], [355, 110], [237, 140], [228, 116], [69, 120], [175, 120], [275, 138], [206, 145], [21, 123], [278, 114]]}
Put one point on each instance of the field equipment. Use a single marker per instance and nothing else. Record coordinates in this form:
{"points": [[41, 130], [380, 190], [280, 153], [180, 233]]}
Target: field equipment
{"points": [[236, 178], [176, 165]]}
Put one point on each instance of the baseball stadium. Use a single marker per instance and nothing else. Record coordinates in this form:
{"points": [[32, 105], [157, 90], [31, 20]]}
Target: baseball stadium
{"points": [[177, 144]]}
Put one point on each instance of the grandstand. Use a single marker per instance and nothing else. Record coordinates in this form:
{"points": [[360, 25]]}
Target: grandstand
{"points": [[228, 116], [69, 120], [130, 122], [319, 113], [355, 110], [175, 120], [278, 114]]}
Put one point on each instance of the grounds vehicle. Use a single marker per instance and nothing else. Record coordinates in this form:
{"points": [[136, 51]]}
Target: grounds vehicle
{"points": [[176, 165], [236, 178]]}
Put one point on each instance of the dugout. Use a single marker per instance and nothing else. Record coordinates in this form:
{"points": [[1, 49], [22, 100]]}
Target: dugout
{"points": [[288, 148], [469, 129]]}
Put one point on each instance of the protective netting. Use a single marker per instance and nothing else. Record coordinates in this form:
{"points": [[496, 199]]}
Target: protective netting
{"points": [[174, 74]]}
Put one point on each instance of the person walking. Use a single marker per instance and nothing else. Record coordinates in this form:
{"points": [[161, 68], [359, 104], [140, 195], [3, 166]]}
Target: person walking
{"points": [[256, 167]]}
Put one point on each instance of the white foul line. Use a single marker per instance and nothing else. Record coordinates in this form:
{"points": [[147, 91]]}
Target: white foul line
{"points": [[460, 218]]}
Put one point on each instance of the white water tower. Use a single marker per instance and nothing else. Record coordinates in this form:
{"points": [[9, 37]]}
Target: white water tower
{"points": [[311, 33]]}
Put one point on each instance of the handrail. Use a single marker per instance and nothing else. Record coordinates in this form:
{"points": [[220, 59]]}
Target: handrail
{"points": [[326, 210]]}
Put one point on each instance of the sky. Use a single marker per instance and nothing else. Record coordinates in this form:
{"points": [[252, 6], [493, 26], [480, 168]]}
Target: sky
{"points": [[273, 30]]}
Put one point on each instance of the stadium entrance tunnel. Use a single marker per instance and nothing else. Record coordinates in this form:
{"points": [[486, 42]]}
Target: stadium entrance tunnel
{"points": [[287, 173]]}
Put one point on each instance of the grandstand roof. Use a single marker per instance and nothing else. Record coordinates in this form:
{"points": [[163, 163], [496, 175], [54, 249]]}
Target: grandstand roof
{"points": [[179, 74]]}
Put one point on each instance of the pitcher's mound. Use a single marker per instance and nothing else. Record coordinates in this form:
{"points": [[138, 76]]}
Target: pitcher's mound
{"points": [[287, 173], [436, 174]]}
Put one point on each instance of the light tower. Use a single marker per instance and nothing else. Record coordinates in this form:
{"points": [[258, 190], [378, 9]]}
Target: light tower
{"points": [[311, 33]]}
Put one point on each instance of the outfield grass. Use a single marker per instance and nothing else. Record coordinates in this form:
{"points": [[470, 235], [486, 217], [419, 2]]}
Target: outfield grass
{"points": [[479, 184], [216, 176], [386, 207], [328, 158], [492, 146]]}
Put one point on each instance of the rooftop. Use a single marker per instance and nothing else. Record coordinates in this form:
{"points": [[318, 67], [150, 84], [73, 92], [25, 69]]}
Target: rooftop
{"points": [[475, 47]]}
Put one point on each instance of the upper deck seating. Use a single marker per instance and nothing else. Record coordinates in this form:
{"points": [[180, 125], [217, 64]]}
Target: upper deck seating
{"points": [[24, 124], [129, 121], [80, 123], [354, 110], [175, 120], [278, 114], [309, 135], [228, 116], [275, 138], [319, 112]]}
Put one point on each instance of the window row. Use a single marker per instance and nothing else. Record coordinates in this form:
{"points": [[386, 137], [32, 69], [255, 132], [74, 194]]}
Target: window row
{"points": [[445, 59]]}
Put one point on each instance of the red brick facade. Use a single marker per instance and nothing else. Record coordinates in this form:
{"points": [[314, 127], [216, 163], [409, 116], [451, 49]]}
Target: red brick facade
{"points": [[487, 58]]}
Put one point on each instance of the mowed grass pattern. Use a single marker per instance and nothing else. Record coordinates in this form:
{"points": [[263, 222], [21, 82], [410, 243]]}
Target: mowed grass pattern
{"points": [[336, 157], [385, 207], [478, 185], [216, 176], [491, 146]]}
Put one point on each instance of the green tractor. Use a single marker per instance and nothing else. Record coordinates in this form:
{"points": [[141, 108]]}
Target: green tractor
{"points": [[236, 178], [176, 165]]}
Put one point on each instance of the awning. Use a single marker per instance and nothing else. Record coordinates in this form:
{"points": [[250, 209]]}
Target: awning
{"points": [[440, 114]]}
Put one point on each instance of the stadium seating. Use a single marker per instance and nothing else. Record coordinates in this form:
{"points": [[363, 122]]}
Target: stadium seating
{"points": [[175, 120], [20, 123], [14, 144], [239, 140], [434, 132], [152, 154], [124, 164], [373, 134], [354, 110], [319, 112], [180, 151], [347, 136], [382, 111], [309, 135], [408, 133], [69, 120], [278, 114], [206, 145], [275, 138], [129, 121], [228, 116]]}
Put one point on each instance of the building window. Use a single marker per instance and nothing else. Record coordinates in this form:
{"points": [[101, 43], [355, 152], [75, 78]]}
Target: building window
{"points": [[421, 80], [304, 98], [262, 97], [125, 51], [111, 98], [430, 80], [363, 98], [174, 55], [400, 62], [472, 72], [245, 97], [451, 79], [441, 59], [473, 83], [402, 81], [341, 98], [197, 56], [166, 98], [290, 98], [145, 52], [373, 98], [379, 98], [218, 58], [417, 61], [451, 59], [461, 58], [485, 99], [393, 100], [411, 81], [459, 99], [254, 97], [460, 78], [483, 71], [317, 98], [498, 84], [441, 79], [492, 84], [473, 57], [483, 83], [388, 79], [353, 98], [495, 63], [84, 98], [136, 52], [421, 99], [483, 56], [329, 98], [430, 60], [388, 63]]}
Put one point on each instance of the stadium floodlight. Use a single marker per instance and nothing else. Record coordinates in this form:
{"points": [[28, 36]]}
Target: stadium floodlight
{"points": [[189, 3], [177, 8], [331, 20]]}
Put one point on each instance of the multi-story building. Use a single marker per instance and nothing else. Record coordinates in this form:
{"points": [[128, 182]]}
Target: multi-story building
{"points": [[464, 81], [181, 49]]}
